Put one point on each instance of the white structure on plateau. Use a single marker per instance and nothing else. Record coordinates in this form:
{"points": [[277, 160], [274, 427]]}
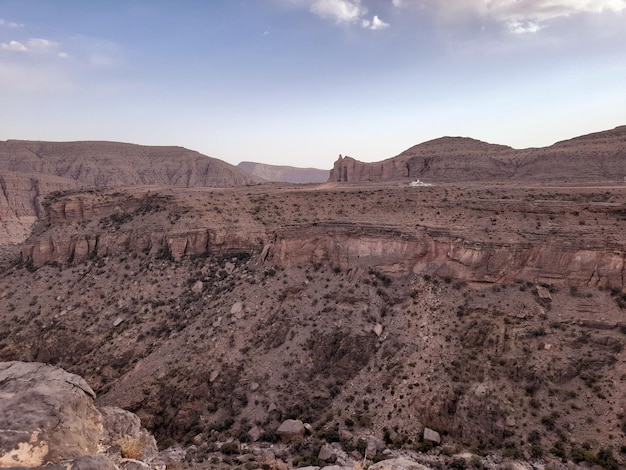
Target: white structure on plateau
{"points": [[418, 183]]}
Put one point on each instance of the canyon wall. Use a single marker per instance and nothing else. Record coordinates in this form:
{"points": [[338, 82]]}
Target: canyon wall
{"points": [[84, 226], [595, 157]]}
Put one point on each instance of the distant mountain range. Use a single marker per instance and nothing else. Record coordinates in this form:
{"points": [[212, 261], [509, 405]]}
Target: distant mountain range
{"points": [[29, 170], [285, 174], [595, 157]]}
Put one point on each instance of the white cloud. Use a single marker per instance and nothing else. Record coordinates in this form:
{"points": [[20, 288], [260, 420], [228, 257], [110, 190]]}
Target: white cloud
{"points": [[374, 24], [14, 46], [63, 55], [10, 24], [377, 23], [43, 45], [339, 10], [523, 27], [520, 16]]}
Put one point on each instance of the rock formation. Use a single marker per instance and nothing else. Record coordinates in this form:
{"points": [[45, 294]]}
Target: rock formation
{"points": [[595, 157], [48, 417], [284, 174], [83, 226]]}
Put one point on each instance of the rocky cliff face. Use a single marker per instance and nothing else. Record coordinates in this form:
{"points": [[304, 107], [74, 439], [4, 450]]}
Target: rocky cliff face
{"points": [[595, 157], [30, 170], [560, 247], [442, 254], [284, 174]]}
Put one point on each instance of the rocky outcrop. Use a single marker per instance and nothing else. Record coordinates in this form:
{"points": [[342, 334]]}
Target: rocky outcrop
{"points": [[437, 252], [284, 174], [595, 157], [48, 417]]}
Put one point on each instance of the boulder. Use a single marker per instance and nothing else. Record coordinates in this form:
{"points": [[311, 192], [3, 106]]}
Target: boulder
{"points": [[47, 415], [432, 436], [197, 287], [123, 428], [326, 452], [49, 419], [291, 430], [543, 293], [401, 463]]}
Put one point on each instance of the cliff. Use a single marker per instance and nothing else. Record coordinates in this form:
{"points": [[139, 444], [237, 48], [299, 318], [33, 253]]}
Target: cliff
{"points": [[596, 157], [94, 225]]}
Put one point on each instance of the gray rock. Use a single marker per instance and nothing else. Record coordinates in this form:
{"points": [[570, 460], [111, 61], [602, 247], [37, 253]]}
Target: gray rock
{"points": [[47, 415], [123, 428], [291, 430], [254, 434], [326, 452], [131, 464], [90, 462], [400, 463], [432, 436], [543, 293], [197, 287]]}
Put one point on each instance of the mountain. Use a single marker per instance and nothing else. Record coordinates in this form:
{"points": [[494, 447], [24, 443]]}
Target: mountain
{"points": [[284, 174], [29, 170], [595, 157]]}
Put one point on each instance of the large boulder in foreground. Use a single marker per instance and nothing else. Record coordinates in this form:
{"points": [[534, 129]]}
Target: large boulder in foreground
{"points": [[48, 416]]}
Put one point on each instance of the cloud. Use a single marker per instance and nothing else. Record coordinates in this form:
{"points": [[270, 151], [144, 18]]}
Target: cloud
{"points": [[10, 24], [14, 46], [43, 45], [339, 10], [523, 27], [375, 24], [520, 17], [35, 46]]}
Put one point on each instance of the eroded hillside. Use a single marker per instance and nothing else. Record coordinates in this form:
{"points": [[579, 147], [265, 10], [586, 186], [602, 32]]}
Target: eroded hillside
{"points": [[494, 315]]}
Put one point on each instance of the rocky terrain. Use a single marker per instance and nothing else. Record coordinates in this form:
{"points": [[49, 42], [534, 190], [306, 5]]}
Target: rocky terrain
{"points": [[595, 157], [491, 315], [30, 170], [49, 420], [284, 174]]}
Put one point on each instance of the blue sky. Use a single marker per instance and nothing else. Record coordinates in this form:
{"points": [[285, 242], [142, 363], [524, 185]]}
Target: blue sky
{"points": [[298, 82]]}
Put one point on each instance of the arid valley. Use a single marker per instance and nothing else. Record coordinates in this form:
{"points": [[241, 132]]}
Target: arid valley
{"points": [[478, 322]]}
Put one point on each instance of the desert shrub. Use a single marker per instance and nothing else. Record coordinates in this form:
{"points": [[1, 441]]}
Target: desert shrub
{"points": [[130, 448], [230, 448]]}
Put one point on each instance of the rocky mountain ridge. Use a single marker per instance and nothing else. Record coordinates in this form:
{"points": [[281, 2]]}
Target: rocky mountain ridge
{"points": [[29, 170], [599, 156]]}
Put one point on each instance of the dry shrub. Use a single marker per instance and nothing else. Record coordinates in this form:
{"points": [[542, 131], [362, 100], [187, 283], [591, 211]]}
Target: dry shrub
{"points": [[130, 447]]}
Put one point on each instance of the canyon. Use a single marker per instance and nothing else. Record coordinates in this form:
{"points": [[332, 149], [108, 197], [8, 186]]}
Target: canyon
{"points": [[488, 315]]}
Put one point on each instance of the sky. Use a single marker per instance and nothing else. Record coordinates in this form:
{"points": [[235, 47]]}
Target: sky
{"points": [[298, 82]]}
